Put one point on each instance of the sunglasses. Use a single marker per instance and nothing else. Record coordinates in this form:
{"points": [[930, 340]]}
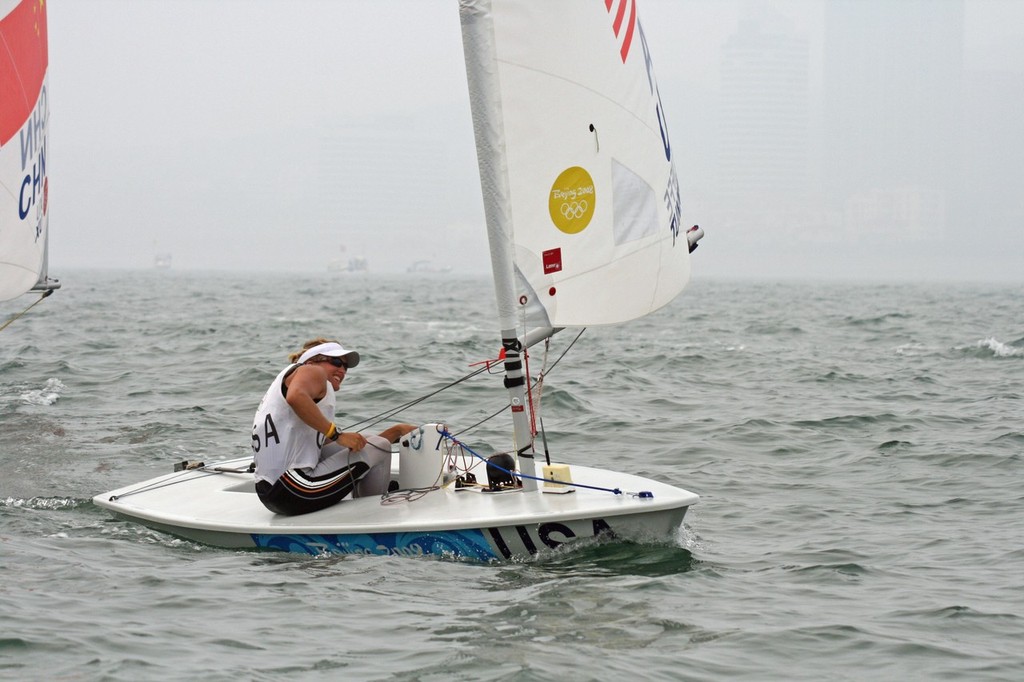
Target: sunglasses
{"points": [[337, 362]]}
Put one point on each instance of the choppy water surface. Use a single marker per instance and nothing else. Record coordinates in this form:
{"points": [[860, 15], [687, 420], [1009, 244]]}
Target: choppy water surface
{"points": [[858, 451]]}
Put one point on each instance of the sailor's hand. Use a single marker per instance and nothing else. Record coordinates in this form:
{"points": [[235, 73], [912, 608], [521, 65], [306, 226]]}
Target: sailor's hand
{"points": [[353, 441]]}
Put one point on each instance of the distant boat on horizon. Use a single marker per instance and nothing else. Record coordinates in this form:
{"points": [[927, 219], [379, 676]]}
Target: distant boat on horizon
{"points": [[426, 266], [354, 264], [162, 261]]}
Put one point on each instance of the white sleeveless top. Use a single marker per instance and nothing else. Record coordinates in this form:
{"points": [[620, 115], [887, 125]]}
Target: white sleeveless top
{"points": [[282, 441]]}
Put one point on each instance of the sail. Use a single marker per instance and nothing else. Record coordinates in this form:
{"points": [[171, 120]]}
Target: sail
{"points": [[24, 119], [580, 191]]}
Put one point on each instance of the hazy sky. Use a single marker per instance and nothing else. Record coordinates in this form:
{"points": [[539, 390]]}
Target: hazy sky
{"points": [[279, 135]]}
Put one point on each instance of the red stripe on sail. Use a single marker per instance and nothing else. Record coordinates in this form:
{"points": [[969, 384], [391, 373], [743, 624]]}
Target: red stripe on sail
{"points": [[630, 27], [23, 62], [617, 24]]}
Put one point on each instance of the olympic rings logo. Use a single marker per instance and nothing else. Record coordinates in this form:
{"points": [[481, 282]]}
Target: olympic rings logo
{"points": [[572, 200], [574, 209]]}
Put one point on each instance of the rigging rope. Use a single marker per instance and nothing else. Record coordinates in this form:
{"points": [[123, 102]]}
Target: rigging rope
{"points": [[169, 481], [538, 388], [391, 412], [529, 394], [378, 418], [446, 434], [8, 322]]}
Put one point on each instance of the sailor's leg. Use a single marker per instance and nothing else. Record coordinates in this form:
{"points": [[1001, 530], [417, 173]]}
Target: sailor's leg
{"points": [[301, 492], [376, 455]]}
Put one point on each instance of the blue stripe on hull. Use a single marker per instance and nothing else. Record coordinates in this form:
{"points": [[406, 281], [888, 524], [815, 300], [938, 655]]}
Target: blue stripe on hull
{"points": [[469, 544], [485, 544]]}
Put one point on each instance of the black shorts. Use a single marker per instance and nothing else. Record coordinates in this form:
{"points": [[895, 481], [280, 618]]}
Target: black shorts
{"points": [[296, 493]]}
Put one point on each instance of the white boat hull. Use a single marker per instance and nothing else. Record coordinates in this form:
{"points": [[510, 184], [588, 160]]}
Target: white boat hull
{"points": [[222, 509]]}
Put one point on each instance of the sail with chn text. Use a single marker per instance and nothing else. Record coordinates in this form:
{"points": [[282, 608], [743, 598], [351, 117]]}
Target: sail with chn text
{"points": [[24, 124], [580, 189]]}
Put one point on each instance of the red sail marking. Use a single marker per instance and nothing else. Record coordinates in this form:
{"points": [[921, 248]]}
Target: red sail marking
{"points": [[617, 25], [23, 63]]}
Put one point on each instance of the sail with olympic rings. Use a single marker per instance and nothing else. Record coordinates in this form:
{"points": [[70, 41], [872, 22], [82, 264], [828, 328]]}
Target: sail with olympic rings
{"points": [[580, 190]]}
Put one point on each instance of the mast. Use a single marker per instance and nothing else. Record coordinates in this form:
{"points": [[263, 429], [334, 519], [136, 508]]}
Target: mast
{"points": [[485, 101], [46, 284]]}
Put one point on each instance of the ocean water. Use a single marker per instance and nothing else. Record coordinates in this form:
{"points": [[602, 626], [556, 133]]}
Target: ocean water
{"points": [[858, 449]]}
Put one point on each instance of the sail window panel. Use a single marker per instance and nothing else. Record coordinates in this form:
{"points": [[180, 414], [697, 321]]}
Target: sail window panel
{"points": [[634, 206]]}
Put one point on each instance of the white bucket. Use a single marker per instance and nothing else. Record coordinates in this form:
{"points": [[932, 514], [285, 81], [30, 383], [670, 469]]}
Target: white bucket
{"points": [[421, 458]]}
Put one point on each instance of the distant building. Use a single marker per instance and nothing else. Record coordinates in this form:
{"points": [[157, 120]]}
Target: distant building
{"points": [[891, 156], [763, 129], [993, 140]]}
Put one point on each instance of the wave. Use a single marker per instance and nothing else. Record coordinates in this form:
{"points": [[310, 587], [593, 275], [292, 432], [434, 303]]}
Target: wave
{"points": [[998, 349], [619, 557], [47, 395], [839, 376], [849, 420], [875, 320], [955, 611], [914, 349], [1009, 437], [43, 503]]}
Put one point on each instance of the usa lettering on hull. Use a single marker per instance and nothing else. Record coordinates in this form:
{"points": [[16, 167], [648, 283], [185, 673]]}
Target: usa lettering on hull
{"points": [[552, 535]]}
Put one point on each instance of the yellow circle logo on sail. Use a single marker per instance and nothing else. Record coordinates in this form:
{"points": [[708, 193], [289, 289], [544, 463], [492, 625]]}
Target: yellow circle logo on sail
{"points": [[571, 202]]}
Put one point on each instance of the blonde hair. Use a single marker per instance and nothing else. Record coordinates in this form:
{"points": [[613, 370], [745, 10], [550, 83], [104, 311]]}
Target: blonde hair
{"points": [[294, 357]]}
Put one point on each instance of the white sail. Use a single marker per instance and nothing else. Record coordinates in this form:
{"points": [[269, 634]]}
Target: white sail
{"points": [[576, 168], [24, 122]]}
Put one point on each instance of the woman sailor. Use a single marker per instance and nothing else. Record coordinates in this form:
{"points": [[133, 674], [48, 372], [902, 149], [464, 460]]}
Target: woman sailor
{"points": [[304, 463]]}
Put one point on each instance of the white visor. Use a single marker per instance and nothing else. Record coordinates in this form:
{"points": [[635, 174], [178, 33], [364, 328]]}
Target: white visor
{"points": [[331, 349]]}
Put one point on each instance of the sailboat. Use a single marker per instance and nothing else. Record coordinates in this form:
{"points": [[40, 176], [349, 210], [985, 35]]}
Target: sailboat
{"points": [[24, 125], [583, 220]]}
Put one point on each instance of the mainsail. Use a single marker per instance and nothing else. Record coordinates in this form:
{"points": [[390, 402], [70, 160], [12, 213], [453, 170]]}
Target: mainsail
{"points": [[576, 167], [24, 122], [579, 189]]}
